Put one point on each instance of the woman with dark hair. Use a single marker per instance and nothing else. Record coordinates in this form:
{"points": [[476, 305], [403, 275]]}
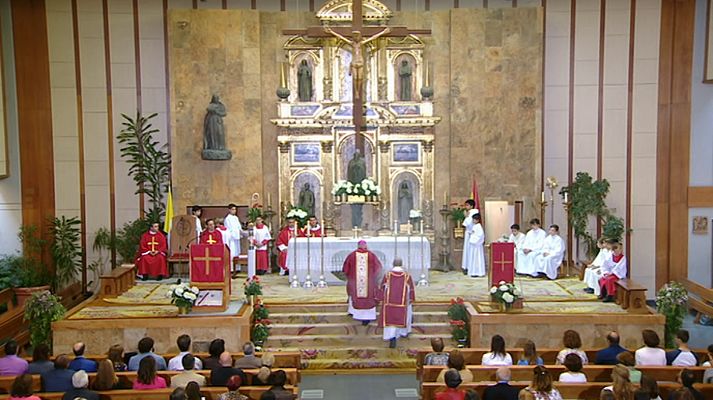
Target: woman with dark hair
{"points": [[40, 360], [116, 356], [178, 394], [106, 378], [146, 377], [22, 388], [216, 348], [193, 391], [572, 343], [529, 355], [574, 370], [648, 390], [541, 387], [456, 362], [233, 386], [650, 353], [497, 354]]}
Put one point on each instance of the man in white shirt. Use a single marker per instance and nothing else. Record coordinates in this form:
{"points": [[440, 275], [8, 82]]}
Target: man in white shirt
{"points": [[550, 259], [236, 233], [682, 356], [594, 270], [516, 236], [184, 346], [470, 210], [197, 211], [531, 247]]}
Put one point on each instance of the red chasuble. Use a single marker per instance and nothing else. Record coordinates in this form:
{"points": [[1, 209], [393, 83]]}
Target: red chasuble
{"points": [[283, 239], [214, 237], [398, 294], [311, 232], [362, 269], [148, 264]]}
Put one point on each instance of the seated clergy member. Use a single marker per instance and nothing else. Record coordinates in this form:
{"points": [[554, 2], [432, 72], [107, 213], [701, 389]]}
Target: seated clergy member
{"points": [[261, 238], [594, 270], [79, 362], [211, 235], [531, 246], [613, 270], [550, 258], [152, 259], [362, 269], [313, 228], [396, 309], [516, 236]]}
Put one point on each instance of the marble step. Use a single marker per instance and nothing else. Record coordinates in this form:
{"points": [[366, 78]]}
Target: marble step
{"points": [[341, 316], [350, 328], [339, 341], [320, 308]]}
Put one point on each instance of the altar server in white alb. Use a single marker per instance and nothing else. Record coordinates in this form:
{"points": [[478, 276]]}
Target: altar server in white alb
{"points": [[261, 237], [476, 257], [516, 236], [396, 308], [594, 270], [236, 232], [550, 258], [614, 269], [530, 249], [470, 210]]}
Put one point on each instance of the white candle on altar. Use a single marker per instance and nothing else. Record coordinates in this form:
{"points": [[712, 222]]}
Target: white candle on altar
{"points": [[268, 198], [543, 197], [565, 197], [421, 223]]}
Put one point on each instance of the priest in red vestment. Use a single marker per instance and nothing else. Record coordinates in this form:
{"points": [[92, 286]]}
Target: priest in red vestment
{"points": [[313, 229], [362, 269], [211, 235], [282, 242], [396, 309], [152, 254]]}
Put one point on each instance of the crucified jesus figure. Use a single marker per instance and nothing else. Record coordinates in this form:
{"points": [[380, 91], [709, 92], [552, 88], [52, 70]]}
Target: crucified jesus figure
{"points": [[356, 68]]}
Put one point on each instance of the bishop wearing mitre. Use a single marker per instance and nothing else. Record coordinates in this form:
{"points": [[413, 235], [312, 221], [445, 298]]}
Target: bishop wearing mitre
{"points": [[152, 254], [211, 235], [261, 237], [396, 309], [362, 269], [313, 229], [282, 242]]}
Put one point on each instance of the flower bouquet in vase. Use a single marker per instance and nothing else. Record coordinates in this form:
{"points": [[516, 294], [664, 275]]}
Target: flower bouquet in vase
{"points": [[252, 288], [300, 215], [183, 296], [260, 332], [459, 332], [507, 295]]}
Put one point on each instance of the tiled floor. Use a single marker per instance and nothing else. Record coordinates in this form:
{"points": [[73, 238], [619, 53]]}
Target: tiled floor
{"points": [[359, 387]]}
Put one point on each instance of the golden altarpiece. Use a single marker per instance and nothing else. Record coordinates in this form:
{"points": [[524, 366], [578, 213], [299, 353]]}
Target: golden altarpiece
{"points": [[316, 138]]}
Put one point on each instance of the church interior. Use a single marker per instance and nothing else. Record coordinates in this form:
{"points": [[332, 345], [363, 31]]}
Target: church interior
{"points": [[350, 199]]}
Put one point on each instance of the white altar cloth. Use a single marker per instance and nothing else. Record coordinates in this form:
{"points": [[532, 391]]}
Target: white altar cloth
{"points": [[337, 249]]}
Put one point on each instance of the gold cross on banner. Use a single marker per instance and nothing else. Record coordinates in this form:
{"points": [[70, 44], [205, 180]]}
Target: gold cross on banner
{"points": [[502, 262], [207, 259], [210, 239], [153, 243]]}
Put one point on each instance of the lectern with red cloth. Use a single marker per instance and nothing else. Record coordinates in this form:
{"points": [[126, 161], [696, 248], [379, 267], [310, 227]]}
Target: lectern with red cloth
{"points": [[502, 262], [210, 272]]}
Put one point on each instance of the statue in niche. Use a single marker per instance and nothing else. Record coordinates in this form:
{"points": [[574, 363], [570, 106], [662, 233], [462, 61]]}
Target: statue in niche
{"points": [[405, 202], [304, 82], [306, 199], [214, 131], [356, 170], [405, 73]]}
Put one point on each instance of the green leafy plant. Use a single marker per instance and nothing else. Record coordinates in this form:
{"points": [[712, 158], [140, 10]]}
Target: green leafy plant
{"points": [[671, 301], [457, 310], [254, 212], [459, 330], [149, 165], [457, 215], [30, 270], [260, 311], [41, 310], [252, 286], [587, 197], [127, 239], [261, 330], [8, 271], [66, 250]]}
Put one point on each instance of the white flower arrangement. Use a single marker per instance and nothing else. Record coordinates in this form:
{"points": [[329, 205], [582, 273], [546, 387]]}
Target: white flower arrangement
{"points": [[366, 187], [183, 295], [415, 214], [297, 213], [505, 293]]}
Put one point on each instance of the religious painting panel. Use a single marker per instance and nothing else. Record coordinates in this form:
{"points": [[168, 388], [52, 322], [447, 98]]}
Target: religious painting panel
{"points": [[347, 154], [406, 153], [708, 69], [307, 192], [306, 154], [405, 195]]}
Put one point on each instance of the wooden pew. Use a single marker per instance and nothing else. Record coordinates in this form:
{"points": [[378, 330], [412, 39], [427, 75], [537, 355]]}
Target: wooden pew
{"points": [[210, 393], [119, 280], [631, 296], [293, 377], [12, 323], [594, 373], [583, 391], [283, 359]]}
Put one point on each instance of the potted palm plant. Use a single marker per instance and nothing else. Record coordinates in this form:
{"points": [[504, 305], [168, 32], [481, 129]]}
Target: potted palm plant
{"points": [[32, 274]]}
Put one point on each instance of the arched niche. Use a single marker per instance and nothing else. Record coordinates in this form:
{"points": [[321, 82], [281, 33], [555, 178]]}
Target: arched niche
{"points": [[411, 61], [313, 63], [398, 198], [315, 182], [346, 151]]}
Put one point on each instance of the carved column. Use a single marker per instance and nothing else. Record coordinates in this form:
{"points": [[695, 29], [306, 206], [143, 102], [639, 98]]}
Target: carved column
{"points": [[284, 174], [382, 82], [327, 81]]}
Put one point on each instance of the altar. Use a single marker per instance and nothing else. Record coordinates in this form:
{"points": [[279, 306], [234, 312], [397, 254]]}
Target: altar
{"points": [[414, 250]]}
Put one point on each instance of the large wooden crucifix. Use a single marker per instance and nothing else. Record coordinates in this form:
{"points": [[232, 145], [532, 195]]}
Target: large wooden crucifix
{"points": [[357, 36]]}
